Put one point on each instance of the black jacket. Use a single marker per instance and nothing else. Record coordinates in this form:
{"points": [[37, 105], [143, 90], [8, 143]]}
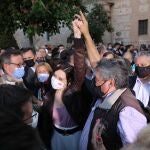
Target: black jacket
{"points": [[76, 99]]}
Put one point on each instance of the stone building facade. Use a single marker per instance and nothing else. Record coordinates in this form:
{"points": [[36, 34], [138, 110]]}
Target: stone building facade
{"points": [[129, 18], [61, 38]]}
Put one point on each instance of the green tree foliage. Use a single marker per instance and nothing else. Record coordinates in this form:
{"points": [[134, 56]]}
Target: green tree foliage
{"points": [[7, 40], [98, 22], [36, 16]]}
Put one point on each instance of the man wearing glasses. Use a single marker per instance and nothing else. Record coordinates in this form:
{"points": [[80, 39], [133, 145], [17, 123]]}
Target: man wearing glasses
{"points": [[12, 64], [13, 67]]}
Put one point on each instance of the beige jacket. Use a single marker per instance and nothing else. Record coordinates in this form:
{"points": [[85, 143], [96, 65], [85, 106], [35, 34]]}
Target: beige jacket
{"points": [[5, 79]]}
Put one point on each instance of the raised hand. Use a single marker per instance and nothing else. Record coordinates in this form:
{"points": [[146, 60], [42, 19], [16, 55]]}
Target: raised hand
{"points": [[83, 25], [76, 31], [97, 141]]}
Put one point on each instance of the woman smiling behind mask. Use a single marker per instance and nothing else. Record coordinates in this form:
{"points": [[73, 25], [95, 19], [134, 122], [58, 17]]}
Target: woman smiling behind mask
{"points": [[65, 106]]}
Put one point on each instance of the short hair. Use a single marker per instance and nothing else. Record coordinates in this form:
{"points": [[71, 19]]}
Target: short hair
{"points": [[55, 53], [24, 50], [14, 134], [61, 45], [114, 69], [116, 44], [48, 67], [6, 56], [14, 97]]}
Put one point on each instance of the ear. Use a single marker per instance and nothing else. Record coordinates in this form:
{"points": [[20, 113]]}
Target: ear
{"points": [[5, 67], [112, 82]]}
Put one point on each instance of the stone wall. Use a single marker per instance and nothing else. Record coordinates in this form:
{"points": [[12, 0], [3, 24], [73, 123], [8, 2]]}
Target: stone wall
{"points": [[125, 16], [57, 39]]}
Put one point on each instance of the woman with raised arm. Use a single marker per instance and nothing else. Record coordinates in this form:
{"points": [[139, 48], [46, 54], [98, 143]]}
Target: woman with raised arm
{"points": [[63, 117], [93, 54]]}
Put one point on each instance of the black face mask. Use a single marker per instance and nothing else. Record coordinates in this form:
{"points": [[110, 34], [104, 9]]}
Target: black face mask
{"points": [[142, 72], [100, 93], [29, 63]]}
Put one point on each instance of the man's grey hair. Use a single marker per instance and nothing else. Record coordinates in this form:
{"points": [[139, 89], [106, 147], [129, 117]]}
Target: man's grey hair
{"points": [[6, 56], [114, 69]]}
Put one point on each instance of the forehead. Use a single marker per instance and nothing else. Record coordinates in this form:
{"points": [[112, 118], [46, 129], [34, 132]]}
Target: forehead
{"points": [[28, 54], [143, 60], [42, 50], [16, 59], [60, 73], [38, 54], [42, 68]]}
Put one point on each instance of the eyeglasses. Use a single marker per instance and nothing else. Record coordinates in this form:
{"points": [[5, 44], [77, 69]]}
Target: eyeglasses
{"points": [[103, 83], [18, 65]]}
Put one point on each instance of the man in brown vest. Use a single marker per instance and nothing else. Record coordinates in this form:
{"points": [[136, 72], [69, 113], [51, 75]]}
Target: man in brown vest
{"points": [[125, 118]]}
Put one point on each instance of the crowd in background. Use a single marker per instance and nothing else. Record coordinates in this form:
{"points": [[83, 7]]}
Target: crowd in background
{"points": [[87, 97]]}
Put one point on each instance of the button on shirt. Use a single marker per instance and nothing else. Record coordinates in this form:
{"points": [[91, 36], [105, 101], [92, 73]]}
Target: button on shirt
{"points": [[142, 91]]}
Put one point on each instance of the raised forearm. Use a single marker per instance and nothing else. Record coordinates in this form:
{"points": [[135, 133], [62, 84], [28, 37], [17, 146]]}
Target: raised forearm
{"points": [[93, 54], [79, 63]]}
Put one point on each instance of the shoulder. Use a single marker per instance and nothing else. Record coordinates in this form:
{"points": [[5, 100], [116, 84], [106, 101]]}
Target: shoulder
{"points": [[128, 99], [130, 112]]}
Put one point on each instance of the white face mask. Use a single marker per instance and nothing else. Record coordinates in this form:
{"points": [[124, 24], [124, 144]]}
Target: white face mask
{"points": [[56, 84], [34, 119]]}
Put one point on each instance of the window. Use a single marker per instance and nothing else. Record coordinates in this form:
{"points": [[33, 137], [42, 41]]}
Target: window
{"points": [[143, 27]]}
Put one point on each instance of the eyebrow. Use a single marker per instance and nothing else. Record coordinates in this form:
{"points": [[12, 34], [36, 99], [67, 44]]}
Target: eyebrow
{"points": [[59, 77], [27, 57]]}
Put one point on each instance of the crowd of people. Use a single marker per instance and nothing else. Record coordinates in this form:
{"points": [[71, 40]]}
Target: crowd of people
{"points": [[89, 97]]}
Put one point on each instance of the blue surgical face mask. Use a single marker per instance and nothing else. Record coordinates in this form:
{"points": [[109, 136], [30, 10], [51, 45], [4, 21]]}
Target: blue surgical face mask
{"points": [[18, 73], [42, 77]]}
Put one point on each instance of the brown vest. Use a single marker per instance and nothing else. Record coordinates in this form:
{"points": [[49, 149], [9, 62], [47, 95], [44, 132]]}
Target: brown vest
{"points": [[110, 136]]}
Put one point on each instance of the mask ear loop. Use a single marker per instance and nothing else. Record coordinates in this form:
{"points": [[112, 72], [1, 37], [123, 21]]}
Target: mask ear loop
{"points": [[110, 80], [102, 85]]}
